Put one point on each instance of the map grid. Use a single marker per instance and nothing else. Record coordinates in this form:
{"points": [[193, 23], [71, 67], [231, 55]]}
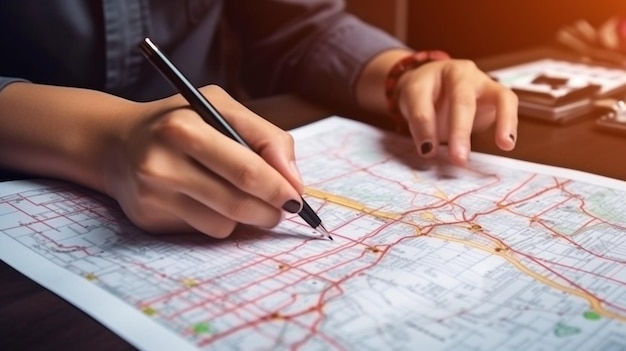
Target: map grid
{"points": [[425, 254]]}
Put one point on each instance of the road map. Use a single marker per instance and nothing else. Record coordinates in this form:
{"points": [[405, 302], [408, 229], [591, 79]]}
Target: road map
{"points": [[500, 255]]}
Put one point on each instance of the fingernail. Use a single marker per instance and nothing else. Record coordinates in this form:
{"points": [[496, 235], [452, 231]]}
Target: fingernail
{"points": [[292, 206], [426, 148]]}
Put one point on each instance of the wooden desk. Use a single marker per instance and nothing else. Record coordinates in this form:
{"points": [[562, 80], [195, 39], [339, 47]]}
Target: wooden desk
{"points": [[33, 318]]}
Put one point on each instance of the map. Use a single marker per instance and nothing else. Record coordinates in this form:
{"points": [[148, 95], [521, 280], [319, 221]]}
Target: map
{"points": [[500, 255]]}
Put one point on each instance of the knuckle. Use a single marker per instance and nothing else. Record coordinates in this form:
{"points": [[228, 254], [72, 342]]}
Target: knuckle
{"points": [[174, 127], [239, 209], [146, 168], [420, 117], [286, 139], [275, 195], [464, 99], [151, 169], [465, 64], [470, 64], [461, 67], [141, 214], [248, 175]]}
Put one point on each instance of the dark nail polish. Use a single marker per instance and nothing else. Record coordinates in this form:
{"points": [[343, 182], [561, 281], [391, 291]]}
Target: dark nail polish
{"points": [[426, 147], [292, 206], [512, 137]]}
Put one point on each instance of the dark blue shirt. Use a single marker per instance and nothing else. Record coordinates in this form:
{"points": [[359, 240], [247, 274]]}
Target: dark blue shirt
{"points": [[308, 47]]}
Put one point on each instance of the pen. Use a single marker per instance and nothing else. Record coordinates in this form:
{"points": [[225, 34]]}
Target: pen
{"points": [[210, 115]]}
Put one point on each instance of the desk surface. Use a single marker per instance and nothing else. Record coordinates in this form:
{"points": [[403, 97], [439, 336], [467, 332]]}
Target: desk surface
{"points": [[34, 318]]}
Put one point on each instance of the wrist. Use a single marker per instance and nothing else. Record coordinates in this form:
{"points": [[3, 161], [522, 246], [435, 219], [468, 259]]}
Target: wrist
{"points": [[58, 132], [396, 73], [369, 94]]}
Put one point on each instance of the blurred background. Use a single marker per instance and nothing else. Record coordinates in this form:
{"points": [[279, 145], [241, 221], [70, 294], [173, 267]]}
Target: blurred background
{"points": [[478, 28]]}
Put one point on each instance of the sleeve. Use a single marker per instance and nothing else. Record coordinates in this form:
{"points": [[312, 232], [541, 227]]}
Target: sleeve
{"points": [[5, 174], [313, 48], [4, 81]]}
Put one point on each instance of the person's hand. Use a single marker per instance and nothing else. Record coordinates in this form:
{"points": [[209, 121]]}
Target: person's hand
{"points": [[445, 101], [612, 33], [172, 172], [605, 43]]}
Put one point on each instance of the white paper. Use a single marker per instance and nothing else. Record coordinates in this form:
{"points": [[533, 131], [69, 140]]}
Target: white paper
{"points": [[502, 255]]}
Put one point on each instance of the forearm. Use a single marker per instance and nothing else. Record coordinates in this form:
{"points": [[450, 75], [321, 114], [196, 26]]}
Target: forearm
{"points": [[319, 56], [370, 86], [59, 132]]}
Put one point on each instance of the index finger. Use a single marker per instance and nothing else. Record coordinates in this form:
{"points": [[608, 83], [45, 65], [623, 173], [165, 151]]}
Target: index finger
{"points": [[461, 100], [273, 144]]}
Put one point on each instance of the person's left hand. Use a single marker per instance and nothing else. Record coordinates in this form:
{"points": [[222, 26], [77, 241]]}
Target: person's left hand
{"points": [[445, 101]]}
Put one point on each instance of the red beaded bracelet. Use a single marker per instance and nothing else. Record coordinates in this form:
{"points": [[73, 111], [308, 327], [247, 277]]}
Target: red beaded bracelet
{"points": [[406, 64]]}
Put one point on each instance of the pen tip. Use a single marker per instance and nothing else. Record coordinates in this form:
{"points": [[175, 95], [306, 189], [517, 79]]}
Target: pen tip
{"points": [[325, 231]]}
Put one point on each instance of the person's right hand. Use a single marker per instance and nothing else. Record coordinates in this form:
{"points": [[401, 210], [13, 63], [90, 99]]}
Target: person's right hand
{"points": [[167, 168], [172, 172]]}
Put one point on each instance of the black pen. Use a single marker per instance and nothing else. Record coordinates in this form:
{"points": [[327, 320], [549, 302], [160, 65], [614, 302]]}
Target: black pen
{"points": [[210, 114]]}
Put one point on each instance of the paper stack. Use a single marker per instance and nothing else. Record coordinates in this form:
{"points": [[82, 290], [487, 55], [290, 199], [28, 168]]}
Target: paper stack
{"points": [[559, 91]]}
